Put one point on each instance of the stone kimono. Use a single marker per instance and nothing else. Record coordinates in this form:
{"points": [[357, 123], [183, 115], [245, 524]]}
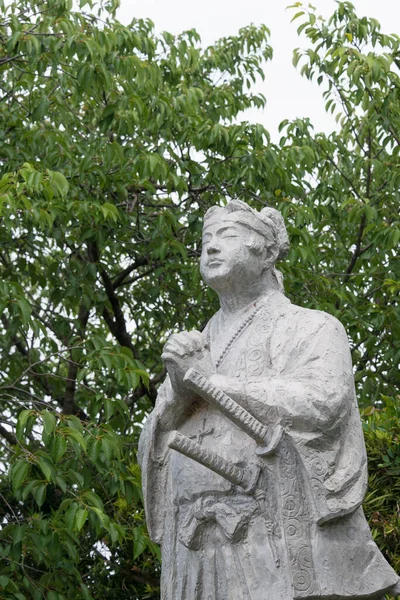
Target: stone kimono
{"points": [[302, 532]]}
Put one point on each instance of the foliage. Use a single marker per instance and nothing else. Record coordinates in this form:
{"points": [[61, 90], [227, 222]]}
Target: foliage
{"points": [[351, 180], [382, 436], [114, 141]]}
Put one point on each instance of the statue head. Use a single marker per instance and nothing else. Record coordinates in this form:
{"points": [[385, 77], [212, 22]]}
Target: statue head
{"points": [[240, 242]]}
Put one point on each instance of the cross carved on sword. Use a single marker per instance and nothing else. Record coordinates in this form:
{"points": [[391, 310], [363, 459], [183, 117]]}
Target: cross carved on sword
{"points": [[202, 433]]}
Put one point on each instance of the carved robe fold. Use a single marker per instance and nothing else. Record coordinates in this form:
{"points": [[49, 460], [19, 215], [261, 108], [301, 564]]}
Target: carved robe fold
{"points": [[302, 533]]}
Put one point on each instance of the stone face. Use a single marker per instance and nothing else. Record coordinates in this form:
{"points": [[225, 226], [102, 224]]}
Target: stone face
{"points": [[253, 460]]}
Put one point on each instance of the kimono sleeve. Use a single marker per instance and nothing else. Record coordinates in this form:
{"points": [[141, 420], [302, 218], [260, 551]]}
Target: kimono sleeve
{"points": [[310, 386], [153, 459]]}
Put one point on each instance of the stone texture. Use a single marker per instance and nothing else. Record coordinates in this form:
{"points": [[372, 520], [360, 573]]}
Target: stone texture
{"points": [[259, 494]]}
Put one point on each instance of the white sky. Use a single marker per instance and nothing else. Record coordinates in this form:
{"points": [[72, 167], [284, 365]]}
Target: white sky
{"points": [[288, 94]]}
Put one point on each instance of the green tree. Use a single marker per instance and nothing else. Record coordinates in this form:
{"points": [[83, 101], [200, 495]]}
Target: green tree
{"points": [[114, 141]]}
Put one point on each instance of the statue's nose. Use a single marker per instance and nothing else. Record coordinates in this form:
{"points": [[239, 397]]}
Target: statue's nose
{"points": [[213, 248]]}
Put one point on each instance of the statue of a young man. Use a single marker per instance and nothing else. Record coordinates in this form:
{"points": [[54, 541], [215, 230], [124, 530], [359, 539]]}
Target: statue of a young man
{"points": [[255, 493]]}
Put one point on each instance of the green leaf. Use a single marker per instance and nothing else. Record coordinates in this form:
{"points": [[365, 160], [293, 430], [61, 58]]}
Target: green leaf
{"points": [[80, 518], [110, 211], [75, 435], [108, 448], [46, 468], [93, 499], [297, 15], [114, 534], [75, 423], [58, 183], [22, 421], [102, 517], [58, 448], [18, 474], [139, 545], [60, 481], [49, 422], [39, 494], [70, 516], [94, 450], [18, 533], [25, 309], [109, 407], [40, 110], [85, 593]]}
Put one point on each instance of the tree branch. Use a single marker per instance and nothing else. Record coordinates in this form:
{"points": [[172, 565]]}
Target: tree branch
{"points": [[8, 435], [69, 404], [115, 320], [116, 324], [133, 279], [357, 251], [140, 262], [8, 59]]}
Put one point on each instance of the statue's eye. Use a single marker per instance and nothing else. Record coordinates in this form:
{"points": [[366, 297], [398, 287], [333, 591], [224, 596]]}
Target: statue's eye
{"points": [[228, 234]]}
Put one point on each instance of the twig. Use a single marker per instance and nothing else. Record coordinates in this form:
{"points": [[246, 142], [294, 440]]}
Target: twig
{"points": [[7, 435]]}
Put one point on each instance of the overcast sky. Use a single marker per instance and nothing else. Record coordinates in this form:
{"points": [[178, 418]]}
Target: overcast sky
{"points": [[288, 94]]}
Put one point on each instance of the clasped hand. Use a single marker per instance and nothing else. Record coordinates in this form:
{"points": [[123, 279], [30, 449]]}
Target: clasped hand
{"points": [[183, 351]]}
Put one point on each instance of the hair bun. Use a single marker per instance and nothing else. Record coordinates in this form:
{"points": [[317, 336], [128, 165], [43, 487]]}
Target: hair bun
{"points": [[274, 219]]}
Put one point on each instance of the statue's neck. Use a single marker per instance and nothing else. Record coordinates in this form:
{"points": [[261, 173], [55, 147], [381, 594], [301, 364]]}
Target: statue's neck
{"points": [[235, 301]]}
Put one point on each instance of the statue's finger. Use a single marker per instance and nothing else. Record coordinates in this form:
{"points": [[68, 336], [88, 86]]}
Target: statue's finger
{"points": [[176, 350], [197, 340], [170, 357], [185, 346], [181, 336], [187, 339]]}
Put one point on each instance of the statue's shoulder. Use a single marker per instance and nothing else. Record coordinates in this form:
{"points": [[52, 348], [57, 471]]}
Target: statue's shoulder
{"points": [[310, 320]]}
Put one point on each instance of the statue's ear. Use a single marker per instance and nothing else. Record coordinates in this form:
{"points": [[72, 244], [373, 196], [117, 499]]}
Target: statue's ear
{"points": [[271, 255]]}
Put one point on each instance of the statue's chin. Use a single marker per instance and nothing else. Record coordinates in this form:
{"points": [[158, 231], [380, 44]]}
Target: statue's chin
{"points": [[219, 282]]}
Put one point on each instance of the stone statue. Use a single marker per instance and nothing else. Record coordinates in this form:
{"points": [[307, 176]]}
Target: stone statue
{"points": [[253, 460]]}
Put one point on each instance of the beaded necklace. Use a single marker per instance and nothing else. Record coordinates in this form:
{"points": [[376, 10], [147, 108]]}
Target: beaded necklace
{"points": [[237, 333]]}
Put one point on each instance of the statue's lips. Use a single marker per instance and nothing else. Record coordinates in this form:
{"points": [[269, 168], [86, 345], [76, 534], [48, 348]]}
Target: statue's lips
{"points": [[214, 263]]}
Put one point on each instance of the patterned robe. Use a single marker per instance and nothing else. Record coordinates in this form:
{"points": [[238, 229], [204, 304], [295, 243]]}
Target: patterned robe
{"points": [[302, 533]]}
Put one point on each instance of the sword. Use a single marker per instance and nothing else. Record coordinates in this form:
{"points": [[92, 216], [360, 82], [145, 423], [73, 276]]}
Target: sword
{"points": [[266, 437], [246, 478]]}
